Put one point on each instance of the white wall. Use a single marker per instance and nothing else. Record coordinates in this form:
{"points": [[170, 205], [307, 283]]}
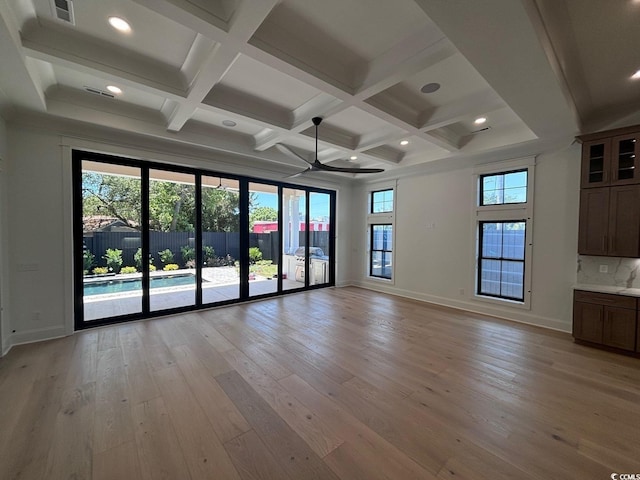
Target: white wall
{"points": [[39, 221], [4, 277], [436, 264]]}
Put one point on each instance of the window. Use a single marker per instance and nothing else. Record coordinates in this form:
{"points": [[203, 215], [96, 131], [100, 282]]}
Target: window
{"points": [[382, 201], [501, 259], [503, 188], [380, 220], [381, 251], [153, 238], [503, 223]]}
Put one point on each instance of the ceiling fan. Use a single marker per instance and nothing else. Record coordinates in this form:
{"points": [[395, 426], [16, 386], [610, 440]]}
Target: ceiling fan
{"points": [[316, 166]]}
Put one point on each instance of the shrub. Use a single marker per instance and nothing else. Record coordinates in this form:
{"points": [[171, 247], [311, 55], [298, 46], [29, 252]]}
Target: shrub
{"points": [[100, 270], [128, 270], [170, 266], [166, 256], [209, 255], [152, 268], [113, 257], [137, 258], [88, 259], [190, 264], [255, 254], [188, 253]]}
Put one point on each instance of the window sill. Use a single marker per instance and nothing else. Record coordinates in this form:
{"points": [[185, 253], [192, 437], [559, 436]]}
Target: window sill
{"points": [[525, 305]]}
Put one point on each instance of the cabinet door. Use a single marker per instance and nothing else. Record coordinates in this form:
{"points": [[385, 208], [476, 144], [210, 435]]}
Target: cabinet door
{"points": [[624, 221], [594, 221], [625, 160], [596, 163], [588, 321], [638, 333], [619, 328]]}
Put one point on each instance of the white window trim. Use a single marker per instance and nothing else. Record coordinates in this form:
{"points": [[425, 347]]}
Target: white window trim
{"points": [[503, 212], [381, 219]]}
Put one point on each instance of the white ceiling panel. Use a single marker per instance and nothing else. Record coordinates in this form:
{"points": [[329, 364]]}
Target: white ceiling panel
{"points": [[152, 35], [266, 83], [217, 119]]}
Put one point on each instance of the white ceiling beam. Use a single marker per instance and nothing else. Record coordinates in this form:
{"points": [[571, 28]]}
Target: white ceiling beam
{"points": [[245, 21], [383, 72], [15, 75], [74, 51]]}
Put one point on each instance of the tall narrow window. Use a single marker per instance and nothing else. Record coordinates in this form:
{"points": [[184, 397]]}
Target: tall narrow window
{"points": [[504, 219], [501, 262], [380, 222], [381, 251]]}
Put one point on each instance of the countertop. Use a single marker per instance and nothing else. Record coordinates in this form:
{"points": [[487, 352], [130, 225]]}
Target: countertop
{"points": [[618, 290]]}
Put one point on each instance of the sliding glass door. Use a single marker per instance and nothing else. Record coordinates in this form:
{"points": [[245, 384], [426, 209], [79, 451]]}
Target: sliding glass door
{"points": [[110, 219], [151, 239], [220, 239], [172, 240], [264, 239]]}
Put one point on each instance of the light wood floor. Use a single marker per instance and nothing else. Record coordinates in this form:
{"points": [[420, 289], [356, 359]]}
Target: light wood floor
{"points": [[331, 384]]}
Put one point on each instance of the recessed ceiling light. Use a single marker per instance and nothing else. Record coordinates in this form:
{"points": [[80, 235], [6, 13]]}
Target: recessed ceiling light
{"points": [[353, 157], [636, 75], [120, 24], [430, 87], [480, 120], [404, 142], [114, 89], [229, 123]]}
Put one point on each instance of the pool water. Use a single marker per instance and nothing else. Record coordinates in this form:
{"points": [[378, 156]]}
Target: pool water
{"points": [[134, 284]]}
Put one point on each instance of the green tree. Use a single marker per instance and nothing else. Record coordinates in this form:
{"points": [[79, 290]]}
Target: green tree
{"points": [[112, 196], [171, 207], [220, 211], [259, 213]]}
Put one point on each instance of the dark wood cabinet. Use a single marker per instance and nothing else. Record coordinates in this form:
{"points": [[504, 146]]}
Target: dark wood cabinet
{"points": [[588, 321], [625, 159], [623, 239], [610, 221], [596, 163], [594, 221], [611, 158], [638, 332], [619, 328], [606, 319]]}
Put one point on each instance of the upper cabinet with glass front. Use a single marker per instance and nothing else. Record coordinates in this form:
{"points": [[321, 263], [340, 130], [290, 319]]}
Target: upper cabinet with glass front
{"points": [[610, 158]]}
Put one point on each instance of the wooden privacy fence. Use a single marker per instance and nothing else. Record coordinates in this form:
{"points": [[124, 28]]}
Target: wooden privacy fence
{"points": [[223, 243]]}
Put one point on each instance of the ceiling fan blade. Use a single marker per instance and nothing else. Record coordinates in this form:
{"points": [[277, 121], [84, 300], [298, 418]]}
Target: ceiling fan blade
{"points": [[297, 174], [289, 152], [329, 168]]}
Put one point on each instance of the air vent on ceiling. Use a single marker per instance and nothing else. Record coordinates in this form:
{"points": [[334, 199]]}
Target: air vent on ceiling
{"points": [[63, 10], [97, 91], [480, 130]]}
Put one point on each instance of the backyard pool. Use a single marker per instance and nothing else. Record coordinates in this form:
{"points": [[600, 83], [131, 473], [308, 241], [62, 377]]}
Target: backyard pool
{"points": [[134, 284]]}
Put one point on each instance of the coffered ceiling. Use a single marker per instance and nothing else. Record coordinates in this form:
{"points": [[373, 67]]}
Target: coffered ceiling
{"points": [[244, 75]]}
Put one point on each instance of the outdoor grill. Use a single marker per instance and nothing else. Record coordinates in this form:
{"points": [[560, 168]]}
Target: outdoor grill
{"points": [[316, 255]]}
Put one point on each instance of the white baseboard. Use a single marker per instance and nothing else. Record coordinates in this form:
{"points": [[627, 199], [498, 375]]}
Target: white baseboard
{"points": [[38, 335], [473, 307]]}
